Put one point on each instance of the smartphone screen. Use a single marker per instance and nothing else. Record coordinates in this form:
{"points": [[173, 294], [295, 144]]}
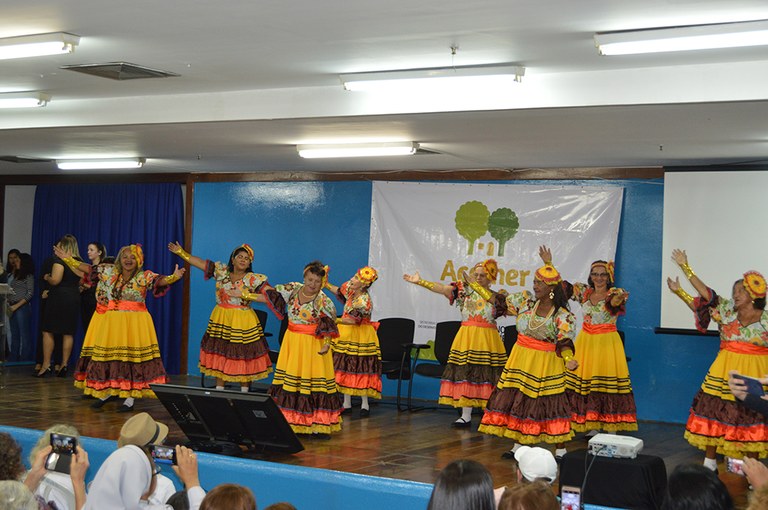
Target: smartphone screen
{"points": [[570, 498], [735, 466], [163, 454], [62, 449], [754, 386]]}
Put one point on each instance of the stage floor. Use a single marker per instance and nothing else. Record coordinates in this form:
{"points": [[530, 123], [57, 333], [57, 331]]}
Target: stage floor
{"points": [[404, 445]]}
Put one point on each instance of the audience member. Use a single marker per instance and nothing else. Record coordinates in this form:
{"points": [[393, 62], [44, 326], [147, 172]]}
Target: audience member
{"points": [[178, 501], [128, 476], [55, 487], [142, 430], [463, 485], [535, 463], [11, 465], [282, 505], [696, 487], [14, 495], [536, 495], [229, 496]]}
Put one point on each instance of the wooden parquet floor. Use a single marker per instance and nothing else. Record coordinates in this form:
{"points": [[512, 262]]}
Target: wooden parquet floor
{"points": [[403, 445]]}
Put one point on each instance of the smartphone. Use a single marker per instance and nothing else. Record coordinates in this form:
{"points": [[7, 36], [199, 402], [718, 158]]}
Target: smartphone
{"points": [[570, 498], [735, 466], [62, 449], [754, 386], [163, 454]]}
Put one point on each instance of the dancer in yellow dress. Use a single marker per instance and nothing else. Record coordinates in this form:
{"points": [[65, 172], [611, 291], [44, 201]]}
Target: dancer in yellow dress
{"points": [[233, 348], [356, 353], [717, 423], [477, 355]]}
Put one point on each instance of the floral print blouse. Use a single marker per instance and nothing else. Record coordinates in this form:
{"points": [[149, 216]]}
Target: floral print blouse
{"points": [[251, 282], [600, 313], [359, 308], [474, 307], [559, 329], [731, 329]]}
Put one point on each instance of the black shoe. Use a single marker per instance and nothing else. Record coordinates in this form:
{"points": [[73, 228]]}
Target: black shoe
{"points": [[509, 454], [45, 372], [346, 410], [125, 409], [100, 403], [62, 372], [364, 413], [461, 423]]}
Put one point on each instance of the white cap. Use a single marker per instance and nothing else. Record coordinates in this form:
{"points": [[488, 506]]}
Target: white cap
{"points": [[536, 463]]}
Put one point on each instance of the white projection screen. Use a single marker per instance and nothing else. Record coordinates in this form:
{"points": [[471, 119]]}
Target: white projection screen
{"points": [[719, 219]]}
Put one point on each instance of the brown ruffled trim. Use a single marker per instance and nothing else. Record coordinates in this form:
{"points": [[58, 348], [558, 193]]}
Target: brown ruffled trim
{"points": [[103, 371], [499, 302], [356, 314], [474, 374], [454, 292], [274, 301], [512, 402], [602, 403], [160, 290], [728, 412], [209, 269], [327, 328], [231, 350], [702, 309], [303, 403], [341, 297], [356, 364], [615, 310]]}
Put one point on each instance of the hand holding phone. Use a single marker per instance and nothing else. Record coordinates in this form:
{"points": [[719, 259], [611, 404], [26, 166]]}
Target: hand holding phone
{"points": [[63, 447], [754, 386], [735, 466], [570, 498], [163, 454]]}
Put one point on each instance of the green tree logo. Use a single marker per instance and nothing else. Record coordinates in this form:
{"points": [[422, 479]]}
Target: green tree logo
{"points": [[473, 221]]}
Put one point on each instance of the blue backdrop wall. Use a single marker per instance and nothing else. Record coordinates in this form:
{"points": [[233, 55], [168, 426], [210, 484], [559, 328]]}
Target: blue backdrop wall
{"points": [[290, 224]]}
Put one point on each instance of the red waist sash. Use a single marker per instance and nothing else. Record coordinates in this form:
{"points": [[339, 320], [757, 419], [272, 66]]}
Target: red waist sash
{"points": [[531, 343], [101, 308], [596, 329], [231, 306], [744, 348], [304, 329], [478, 324], [127, 306]]}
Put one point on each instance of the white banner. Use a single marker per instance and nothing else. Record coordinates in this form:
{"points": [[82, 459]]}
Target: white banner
{"points": [[440, 229]]}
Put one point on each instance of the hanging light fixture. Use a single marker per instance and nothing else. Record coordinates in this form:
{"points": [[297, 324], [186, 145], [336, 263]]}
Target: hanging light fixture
{"points": [[474, 77], [54, 43]]}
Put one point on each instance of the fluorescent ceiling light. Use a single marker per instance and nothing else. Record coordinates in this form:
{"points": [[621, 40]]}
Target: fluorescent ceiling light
{"points": [[23, 100], [697, 37], [353, 150], [100, 164], [475, 77], [54, 43]]}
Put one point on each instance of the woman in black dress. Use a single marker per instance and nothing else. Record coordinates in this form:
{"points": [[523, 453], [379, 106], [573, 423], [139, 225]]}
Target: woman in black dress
{"points": [[62, 309], [97, 252]]}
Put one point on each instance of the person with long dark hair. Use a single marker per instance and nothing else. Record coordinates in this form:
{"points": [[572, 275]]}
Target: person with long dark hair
{"points": [[529, 404], [121, 358], [356, 353], [599, 390], [233, 347], [304, 385], [477, 354], [21, 279], [694, 487], [97, 252], [62, 309], [716, 422], [463, 485]]}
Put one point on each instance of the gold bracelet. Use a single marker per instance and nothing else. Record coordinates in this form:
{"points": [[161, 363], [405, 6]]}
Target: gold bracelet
{"points": [[248, 296], [684, 295], [567, 355], [71, 263], [172, 278], [183, 254], [687, 270], [426, 284], [484, 293]]}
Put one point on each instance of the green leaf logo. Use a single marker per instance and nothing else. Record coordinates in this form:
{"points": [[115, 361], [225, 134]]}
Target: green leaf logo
{"points": [[473, 221]]}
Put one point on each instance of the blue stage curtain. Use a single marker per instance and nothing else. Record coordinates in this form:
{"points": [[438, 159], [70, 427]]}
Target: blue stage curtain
{"points": [[118, 215]]}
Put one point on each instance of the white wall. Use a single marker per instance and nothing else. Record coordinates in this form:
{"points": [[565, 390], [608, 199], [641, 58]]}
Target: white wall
{"points": [[19, 208]]}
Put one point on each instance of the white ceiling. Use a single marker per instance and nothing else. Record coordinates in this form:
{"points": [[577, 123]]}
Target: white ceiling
{"points": [[260, 76]]}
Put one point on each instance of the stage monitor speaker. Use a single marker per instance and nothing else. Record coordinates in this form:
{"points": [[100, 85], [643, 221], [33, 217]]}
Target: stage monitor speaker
{"points": [[638, 483], [220, 421]]}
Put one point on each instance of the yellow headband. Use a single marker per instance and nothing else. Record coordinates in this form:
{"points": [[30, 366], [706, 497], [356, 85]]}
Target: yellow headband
{"points": [[247, 249], [754, 283], [367, 275], [608, 266], [138, 253], [548, 274]]}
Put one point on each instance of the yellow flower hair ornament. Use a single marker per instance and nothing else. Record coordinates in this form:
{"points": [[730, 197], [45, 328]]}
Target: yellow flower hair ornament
{"points": [[548, 274], [754, 283], [367, 275]]}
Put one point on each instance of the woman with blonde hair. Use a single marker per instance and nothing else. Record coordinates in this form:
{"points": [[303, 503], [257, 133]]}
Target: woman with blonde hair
{"points": [[120, 357], [55, 486], [62, 308], [229, 496], [477, 355]]}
